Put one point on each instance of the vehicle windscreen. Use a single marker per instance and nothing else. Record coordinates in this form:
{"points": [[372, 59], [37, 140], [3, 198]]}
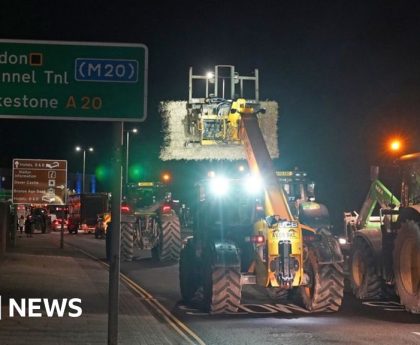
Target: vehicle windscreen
{"points": [[146, 196], [234, 209]]}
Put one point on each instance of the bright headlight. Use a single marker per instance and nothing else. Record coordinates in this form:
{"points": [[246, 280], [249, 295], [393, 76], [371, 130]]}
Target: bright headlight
{"points": [[253, 184], [219, 186], [342, 240]]}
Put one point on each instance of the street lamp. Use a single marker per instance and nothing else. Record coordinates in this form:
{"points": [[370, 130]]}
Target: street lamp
{"points": [[134, 130], [78, 149], [395, 145]]}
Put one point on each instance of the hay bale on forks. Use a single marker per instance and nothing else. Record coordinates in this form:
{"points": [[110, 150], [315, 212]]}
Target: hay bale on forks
{"points": [[174, 113]]}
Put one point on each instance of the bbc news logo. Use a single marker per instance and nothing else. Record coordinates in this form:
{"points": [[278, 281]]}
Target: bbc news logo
{"points": [[41, 307]]}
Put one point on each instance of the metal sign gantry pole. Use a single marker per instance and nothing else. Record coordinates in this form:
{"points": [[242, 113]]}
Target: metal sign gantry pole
{"points": [[114, 265]]}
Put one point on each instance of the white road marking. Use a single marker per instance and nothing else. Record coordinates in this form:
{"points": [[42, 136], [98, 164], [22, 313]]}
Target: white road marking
{"points": [[416, 333], [385, 305]]}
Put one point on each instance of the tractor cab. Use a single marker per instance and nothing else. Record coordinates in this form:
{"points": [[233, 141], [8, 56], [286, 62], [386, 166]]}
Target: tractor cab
{"points": [[296, 185], [410, 188], [227, 202], [228, 206], [145, 194], [300, 193]]}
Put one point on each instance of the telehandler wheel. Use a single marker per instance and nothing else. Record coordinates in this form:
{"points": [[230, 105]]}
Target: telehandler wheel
{"points": [[407, 266], [169, 244], [222, 289], [325, 290], [188, 280], [277, 294], [365, 281]]}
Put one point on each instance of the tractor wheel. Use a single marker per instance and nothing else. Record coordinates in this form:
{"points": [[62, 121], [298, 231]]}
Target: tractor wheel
{"points": [[169, 244], [277, 294], [188, 281], [364, 279], [222, 289], [407, 266], [325, 289]]}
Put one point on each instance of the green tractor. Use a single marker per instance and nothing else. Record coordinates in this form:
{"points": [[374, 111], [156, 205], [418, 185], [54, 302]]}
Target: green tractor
{"points": [[157, 223], [384, 249]]}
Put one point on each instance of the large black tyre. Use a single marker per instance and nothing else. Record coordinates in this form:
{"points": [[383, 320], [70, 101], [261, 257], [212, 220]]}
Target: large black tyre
{"points": [[169, 244], [364, 279], [277, 294], [407, 266], [222, 289], [188, 280], [325, 290]]}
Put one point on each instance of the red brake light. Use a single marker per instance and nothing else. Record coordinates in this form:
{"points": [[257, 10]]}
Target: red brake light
{"points": [[125, 209], [309, 238], [257, 239], [166, 208]]}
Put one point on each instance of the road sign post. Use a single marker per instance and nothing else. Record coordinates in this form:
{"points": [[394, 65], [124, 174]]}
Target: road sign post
{"points": [[77, 81], [114, 264], [73, 80]]}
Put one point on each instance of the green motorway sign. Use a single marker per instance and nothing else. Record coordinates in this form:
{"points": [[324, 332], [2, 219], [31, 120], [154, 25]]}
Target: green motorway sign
{"points": [[73, 80]]}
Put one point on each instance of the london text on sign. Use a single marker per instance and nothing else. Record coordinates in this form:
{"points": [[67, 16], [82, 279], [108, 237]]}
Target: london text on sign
{"points": [[73, 80]]}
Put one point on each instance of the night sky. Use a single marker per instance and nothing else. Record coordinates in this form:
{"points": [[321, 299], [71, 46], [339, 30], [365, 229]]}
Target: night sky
{"points": [[346, 75]]}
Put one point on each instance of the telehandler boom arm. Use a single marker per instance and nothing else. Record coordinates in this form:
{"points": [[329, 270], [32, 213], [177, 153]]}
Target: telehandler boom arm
{"points": [[259, 161]]}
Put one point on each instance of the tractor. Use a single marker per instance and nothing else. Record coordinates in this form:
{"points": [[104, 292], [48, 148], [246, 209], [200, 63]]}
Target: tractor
{"points": [[384, 249]]}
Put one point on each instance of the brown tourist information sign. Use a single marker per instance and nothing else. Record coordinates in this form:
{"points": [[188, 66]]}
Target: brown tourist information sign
{"points": [[39, 181]]}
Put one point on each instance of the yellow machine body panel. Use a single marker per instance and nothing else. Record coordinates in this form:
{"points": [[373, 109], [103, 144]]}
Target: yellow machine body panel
{"points": [[287, 230]]}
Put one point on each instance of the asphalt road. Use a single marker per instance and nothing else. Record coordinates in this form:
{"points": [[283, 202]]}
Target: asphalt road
{"points": [[262, 321]]}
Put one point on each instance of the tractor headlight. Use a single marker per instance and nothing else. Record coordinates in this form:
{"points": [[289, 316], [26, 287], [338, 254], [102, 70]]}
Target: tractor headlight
{"points": [[253, 185], [342, 240], [219, 186]]}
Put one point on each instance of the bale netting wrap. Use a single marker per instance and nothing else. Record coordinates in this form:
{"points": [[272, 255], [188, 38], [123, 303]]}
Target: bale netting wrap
{"points": [[173, 115]]}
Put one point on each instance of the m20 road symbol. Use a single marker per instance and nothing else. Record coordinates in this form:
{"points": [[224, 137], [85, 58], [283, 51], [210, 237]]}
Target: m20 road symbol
{"points": [[106, 70]]}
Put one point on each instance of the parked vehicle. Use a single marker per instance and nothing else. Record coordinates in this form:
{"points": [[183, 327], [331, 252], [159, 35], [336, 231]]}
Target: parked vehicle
{"points": [[56, 224], [84, 210], [39, 219]]}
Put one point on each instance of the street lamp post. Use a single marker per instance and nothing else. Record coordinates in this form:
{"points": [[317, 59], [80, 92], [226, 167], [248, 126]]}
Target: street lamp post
{"points": [[134, 130], [90, 149]]}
